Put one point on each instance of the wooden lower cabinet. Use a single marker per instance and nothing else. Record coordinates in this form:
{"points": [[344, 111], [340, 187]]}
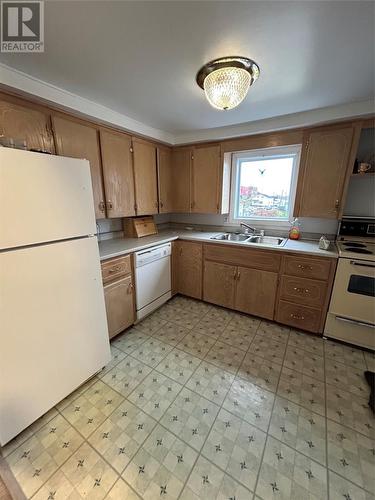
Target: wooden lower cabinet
{"points": [[219, 283], [119, 303], [309, 292], [256, 292], [298, 316], [187, 268]]}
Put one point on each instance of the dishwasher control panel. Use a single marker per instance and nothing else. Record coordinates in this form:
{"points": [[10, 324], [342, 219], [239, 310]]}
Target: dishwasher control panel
{"points": [[152, 254]]}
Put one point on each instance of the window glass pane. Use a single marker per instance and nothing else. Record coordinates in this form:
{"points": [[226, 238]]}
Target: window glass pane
{"points": [[263, 187]]}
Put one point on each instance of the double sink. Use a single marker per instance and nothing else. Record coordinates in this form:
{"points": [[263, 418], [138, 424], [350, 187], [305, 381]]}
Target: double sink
{"points": [[250, 238]]}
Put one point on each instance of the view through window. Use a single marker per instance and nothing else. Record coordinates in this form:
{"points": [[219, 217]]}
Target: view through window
{"points": [[264, 185]]}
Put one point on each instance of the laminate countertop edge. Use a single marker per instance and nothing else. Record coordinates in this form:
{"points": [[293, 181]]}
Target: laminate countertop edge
{"points": [[121, 246]]}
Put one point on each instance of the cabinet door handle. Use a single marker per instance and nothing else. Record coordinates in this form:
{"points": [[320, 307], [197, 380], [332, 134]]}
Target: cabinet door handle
{"points": [[235, 275], [102, 206], [296, 316], [156, 204], [161, 204], [130, 288], [304, 268], [238, 275], [301, 290], [109, 205], [337, 204]]}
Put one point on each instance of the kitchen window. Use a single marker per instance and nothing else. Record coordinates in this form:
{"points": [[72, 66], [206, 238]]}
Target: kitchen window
{"points": [[264, 185]]}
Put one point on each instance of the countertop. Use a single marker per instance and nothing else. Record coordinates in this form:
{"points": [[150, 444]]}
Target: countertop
{"points": [[122, 246]]}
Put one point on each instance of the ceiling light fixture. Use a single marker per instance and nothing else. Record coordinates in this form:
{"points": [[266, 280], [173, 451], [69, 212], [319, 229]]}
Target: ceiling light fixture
{"points": [[226, 81]]}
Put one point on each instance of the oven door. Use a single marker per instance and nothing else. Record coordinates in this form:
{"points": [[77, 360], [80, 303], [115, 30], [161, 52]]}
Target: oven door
{"points": [[353, 295]]}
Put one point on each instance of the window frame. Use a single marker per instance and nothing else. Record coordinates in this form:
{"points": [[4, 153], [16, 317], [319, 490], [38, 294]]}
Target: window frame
{"points": [[263, 222]]}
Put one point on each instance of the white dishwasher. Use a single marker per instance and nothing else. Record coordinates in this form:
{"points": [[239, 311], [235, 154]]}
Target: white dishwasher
{"points": [[152, 278]]}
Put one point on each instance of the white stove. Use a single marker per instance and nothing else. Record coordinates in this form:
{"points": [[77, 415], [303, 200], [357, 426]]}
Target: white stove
{"points": [[359, 248], [351, 315]]}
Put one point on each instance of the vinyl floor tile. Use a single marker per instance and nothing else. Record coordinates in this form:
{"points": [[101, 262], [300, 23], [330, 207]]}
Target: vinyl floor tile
{"points": [[250, 402], [161, 466], [287, 474], [90, 409], [208, 482], [126, 375], [211, 382], [225, 357], [260, 371], [202, 403], [351, 455], [155, 393], [190, 417], [178, 365], [236, 447], [119, 437], [300, 429]]}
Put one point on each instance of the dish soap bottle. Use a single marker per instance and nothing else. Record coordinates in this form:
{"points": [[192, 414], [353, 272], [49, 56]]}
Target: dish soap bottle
{"points": [[295, 231]]}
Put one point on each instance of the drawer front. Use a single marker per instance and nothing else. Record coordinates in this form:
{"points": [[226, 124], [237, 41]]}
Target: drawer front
{"points": [[303, 291], [247, 257], [298, 316], [116, 268], [307, 267]]}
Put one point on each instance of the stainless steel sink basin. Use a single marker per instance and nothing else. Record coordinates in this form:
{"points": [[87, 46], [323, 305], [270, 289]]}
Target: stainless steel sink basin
{"points": [[266, 240], [251, 239], [231, 237]]}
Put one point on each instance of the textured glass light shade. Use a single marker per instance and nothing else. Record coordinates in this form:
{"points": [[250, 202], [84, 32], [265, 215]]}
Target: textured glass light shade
{"points": [[225, 88]]}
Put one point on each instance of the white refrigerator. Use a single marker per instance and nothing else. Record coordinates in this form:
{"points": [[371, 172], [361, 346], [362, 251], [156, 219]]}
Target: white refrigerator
{"points": [[53, 328]]}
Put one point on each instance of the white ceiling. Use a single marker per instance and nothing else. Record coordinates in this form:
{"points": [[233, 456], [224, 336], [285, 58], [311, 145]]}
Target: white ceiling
{"points": [[140, 58]]}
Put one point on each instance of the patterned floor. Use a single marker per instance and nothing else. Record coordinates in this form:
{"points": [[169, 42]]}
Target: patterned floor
{"points": [[200, 402]]}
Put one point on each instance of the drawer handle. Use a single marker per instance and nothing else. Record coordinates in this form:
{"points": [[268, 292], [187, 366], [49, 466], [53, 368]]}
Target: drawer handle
{"points": [[304, 268], [115, 269], [301, 290], [295, 316]]}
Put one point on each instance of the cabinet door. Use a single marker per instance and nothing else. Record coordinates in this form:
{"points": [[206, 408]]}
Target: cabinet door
{"points": [[219, 283], [166, 184], [323, 173], [188, 272], [181, 170], [146, 187], [119, 303], [117, 173], [81, 141], [256, 292], [205, 180], [22, 123]]}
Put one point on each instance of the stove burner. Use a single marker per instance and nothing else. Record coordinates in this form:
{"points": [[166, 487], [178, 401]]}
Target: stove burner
{"points": [[353, 244], [358, 250]]}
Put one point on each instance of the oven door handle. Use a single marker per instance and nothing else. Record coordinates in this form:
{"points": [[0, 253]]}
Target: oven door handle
{"points": [[360, 323], [355, 263]]}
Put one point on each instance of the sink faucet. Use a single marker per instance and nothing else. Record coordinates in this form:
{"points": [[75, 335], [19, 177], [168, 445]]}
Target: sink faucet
{"points": [[248, 228]]}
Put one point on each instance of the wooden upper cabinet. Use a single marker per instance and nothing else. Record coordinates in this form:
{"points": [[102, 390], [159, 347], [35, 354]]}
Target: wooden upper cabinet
{"points": [[323, 171], [22, 123], [205, 179], [187, 270], [181, 170], [118, 174], [145, 177], [165, 178], [77, 140]]}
